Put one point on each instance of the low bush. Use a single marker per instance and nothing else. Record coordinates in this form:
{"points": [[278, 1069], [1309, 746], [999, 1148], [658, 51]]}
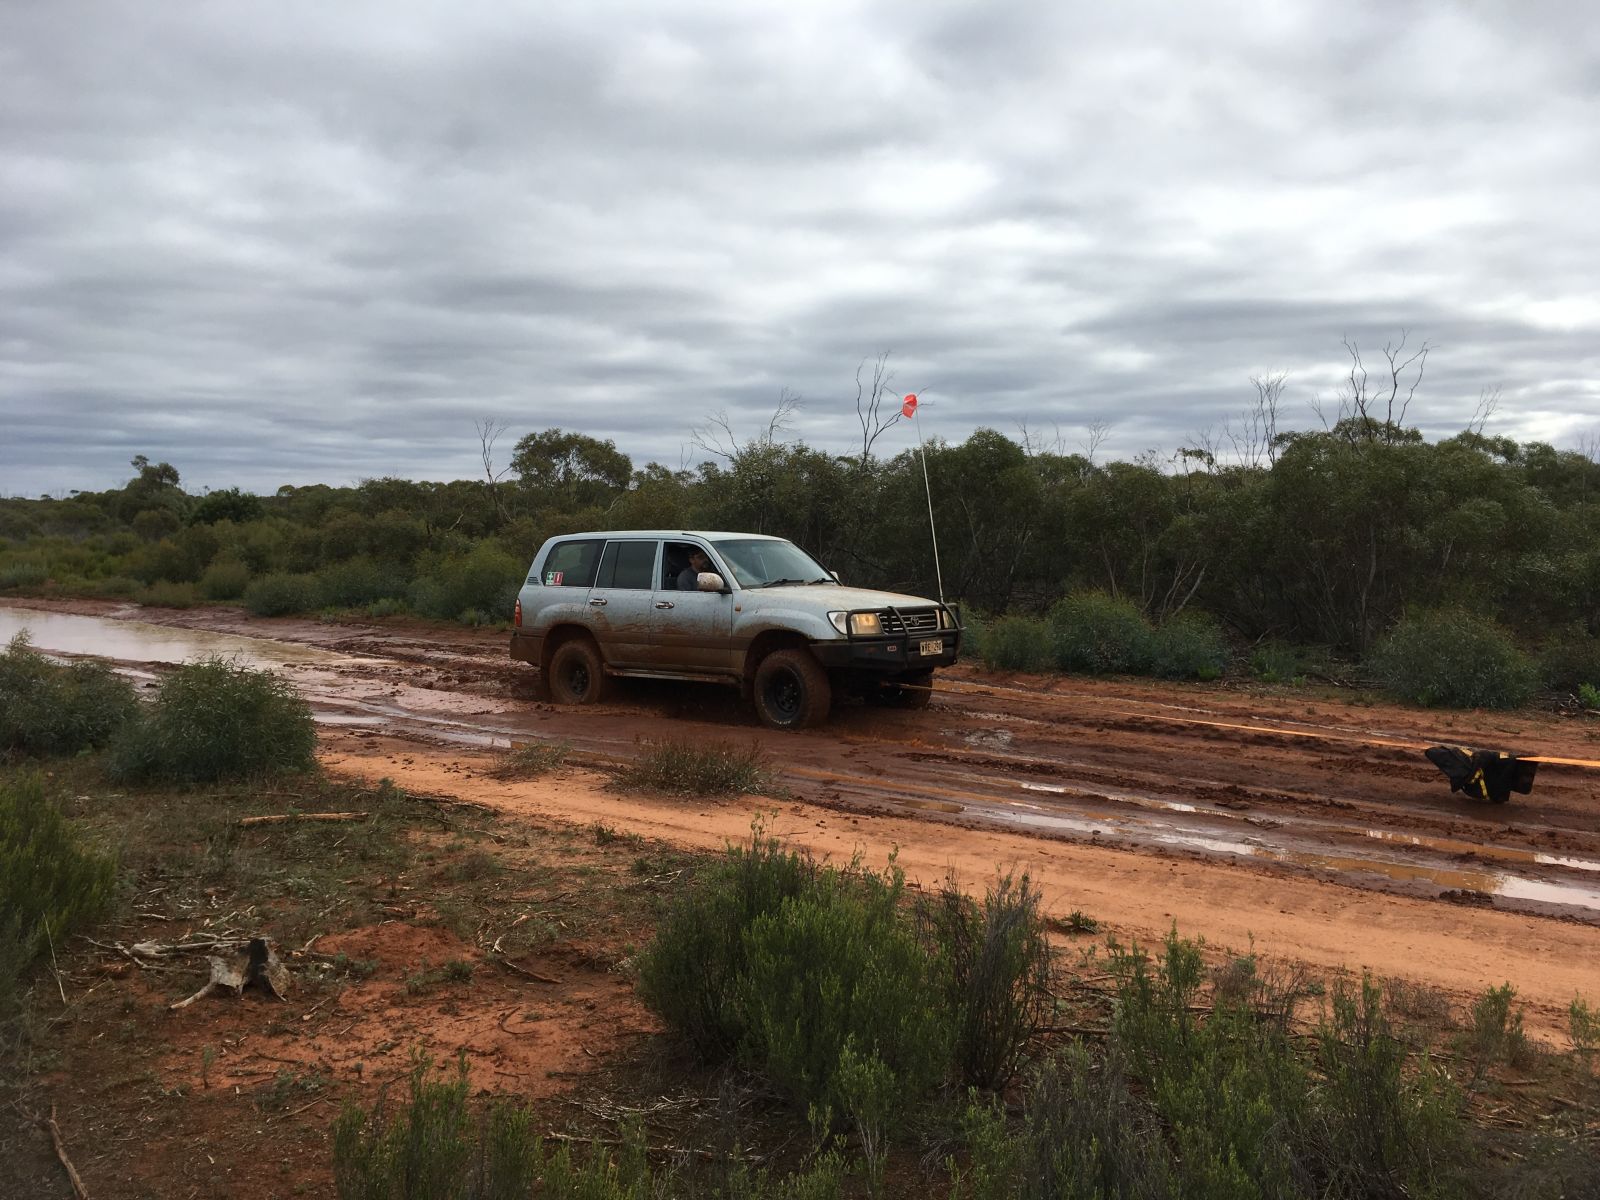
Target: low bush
{"points": [[692, 974], [1189, 646], [387, 608], [358, 582], [1098, 634], [842, 1006], [280, 595], [1589, 696], [164, 594], [23, 576], [1275, 662], [1570, 662], [1015, 644], [485, 578], [49, 709], [697, 769], [997, 968], [50, 884], [529, 760], [225, 579], [1452, 659], [214, 719]]}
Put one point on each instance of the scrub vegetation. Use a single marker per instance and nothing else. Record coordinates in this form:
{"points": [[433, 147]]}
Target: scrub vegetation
{"points": [[1318, 543]]}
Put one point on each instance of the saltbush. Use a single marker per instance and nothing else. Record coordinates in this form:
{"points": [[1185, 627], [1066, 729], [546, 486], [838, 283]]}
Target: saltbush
{"points": [[1570, 662], [686, 768], [836, 980], [163, 594], [281, 595], [692, 974], [50, 709], [1188, 646], [1275, 662], [1099, 634], [225, 579], [50, 884], [357, 582], [23, 576], [996, 967], [215, 719], [1015, 644], [1450, 658]]}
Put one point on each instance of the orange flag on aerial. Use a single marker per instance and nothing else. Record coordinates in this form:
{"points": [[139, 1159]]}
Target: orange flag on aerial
{"points": [[909, 408]]}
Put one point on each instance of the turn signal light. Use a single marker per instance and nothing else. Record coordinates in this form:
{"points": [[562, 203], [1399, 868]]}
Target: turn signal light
{"points": [[516, 615]]}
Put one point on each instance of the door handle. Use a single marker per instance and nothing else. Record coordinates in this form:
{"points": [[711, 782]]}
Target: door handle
{"points": [[597, 604], [663, 603]]}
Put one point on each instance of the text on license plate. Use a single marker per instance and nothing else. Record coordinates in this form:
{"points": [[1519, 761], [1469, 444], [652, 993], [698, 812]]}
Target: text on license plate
{"points": [[932, 646]]}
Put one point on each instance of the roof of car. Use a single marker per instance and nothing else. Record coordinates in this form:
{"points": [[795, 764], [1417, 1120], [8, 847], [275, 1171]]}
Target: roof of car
{"points": [[707, 534]]}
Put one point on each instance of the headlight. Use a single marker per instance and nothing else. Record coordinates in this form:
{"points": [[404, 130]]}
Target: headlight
{"points": [[838, 619], [866, 624]]}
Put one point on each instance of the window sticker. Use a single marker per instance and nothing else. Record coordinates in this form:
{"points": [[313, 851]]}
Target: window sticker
{"points": [[553, 578]]}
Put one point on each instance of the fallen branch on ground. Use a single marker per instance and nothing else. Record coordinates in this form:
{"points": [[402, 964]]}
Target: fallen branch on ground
{"points": [[280, 818]]}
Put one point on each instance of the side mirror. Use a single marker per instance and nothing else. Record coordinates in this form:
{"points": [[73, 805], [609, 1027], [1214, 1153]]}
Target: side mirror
{"points": [[710, 581]]}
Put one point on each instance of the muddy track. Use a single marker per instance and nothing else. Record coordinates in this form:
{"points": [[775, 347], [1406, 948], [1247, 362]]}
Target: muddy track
{"points": [[1277, 781]]}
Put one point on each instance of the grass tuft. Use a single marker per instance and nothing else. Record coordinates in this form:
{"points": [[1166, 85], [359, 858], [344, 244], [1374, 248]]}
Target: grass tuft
{"points": [[685, 768], [529, 760]]}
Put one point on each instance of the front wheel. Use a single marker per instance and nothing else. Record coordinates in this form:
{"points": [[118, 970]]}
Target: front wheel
{"points": [[792, 690], [576, 674]]}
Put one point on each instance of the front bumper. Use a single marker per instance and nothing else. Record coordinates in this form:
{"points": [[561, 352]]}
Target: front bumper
{"points": [[888, 655]]}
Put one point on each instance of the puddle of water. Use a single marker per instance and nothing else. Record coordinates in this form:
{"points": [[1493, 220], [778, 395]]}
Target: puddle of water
{"points": [[137, 641]]}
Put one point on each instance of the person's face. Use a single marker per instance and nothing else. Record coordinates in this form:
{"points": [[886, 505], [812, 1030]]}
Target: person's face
{"points": [[698, 560]]}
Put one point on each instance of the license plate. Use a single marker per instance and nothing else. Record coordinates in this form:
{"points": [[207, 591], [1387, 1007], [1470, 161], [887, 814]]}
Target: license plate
{"points": [[932, 646]]}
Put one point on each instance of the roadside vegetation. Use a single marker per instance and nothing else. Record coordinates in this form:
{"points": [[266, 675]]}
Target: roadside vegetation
{"points": [[685, 768], [1349, 549]]}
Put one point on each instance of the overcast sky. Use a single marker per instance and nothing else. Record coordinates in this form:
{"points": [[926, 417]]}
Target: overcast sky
{"points": [[314, 242]]}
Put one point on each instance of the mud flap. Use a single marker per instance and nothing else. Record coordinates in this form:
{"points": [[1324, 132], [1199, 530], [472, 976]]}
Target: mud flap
{"points": [[1490, 775]]}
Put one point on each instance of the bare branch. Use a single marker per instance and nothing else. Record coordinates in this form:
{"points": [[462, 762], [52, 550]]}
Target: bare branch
{"points": [[1098, 431], [489, 431], [1488, 401], [870, 398]]}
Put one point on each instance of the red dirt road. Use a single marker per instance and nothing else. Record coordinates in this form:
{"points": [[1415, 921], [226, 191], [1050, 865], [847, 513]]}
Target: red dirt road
{"points": [[1283, 817]]}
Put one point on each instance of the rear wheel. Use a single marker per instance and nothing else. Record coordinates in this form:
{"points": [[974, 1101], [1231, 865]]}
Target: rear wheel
{"points": [[913, 692], [577, 675], [792, 690]]}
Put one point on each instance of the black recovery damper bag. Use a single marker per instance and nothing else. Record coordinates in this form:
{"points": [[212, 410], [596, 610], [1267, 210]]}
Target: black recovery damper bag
{"points": [[1490, 775]]}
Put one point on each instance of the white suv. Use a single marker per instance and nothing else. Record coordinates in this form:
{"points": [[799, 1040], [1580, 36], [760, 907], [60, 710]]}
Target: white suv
{"points": [[762, 614]]}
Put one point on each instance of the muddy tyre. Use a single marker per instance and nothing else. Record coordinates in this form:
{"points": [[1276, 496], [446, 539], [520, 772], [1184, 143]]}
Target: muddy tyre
{"points": [[911, 694], [576, 674], [792, 690]]}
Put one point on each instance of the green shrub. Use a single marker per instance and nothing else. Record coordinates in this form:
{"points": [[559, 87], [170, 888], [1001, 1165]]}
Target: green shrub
{"points": [[48, 709], [1589, 696], [387, 608], [1450, 658], [1496, 1035], [692, 974], [280, 595], [163, 594], [1275, 662], [842, 1008], [214, 719], [485, 578], [996, 967], [686, 768], [358, 582], [529, 760], [115, 585], [1188, 646], [1381, 1129], [1570, 662], [23, 576], [1099, 635], [225, 579], [1015, 644], [49, 884]]}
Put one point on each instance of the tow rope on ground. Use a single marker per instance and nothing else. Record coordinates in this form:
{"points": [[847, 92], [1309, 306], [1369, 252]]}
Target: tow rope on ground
{"points": [[1490, 775]]}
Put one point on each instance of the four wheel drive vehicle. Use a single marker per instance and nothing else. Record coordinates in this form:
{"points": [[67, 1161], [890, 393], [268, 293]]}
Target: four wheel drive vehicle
{"points": [[737, 608]]}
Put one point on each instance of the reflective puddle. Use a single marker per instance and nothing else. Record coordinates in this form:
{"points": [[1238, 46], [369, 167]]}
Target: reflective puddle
{"points": [[139, 641]]}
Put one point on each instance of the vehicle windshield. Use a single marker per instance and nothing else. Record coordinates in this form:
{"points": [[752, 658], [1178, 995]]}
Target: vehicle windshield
{"points": [[762, 563]]}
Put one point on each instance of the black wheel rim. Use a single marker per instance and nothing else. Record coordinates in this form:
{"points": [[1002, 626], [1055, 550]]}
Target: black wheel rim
{"points": [[785, 695], [578, 679]]}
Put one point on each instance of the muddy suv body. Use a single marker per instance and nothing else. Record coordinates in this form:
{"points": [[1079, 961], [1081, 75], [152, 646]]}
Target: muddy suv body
{"points": [[762, 615]]}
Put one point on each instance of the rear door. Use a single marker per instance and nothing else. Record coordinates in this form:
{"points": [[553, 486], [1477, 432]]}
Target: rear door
{"points": [[620, 602]]}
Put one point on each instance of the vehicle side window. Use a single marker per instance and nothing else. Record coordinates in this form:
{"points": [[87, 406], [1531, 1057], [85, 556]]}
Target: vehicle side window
{"points": [[571, 564], [630, 565]]}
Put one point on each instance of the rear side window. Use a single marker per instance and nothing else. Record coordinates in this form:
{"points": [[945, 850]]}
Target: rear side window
{"points": [[571, 564], [628, 565]]}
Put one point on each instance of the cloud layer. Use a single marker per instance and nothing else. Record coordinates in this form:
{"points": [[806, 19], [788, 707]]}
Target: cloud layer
{"points": [[313, 243]]}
